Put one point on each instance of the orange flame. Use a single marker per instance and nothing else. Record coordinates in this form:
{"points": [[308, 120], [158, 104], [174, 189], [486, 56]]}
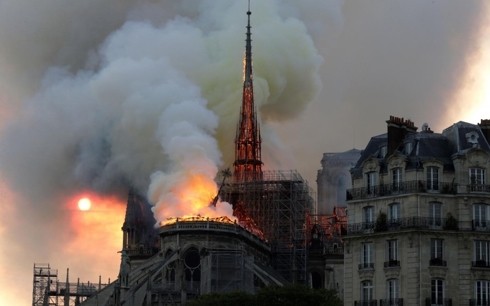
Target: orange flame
{"points": [[191, 198]]}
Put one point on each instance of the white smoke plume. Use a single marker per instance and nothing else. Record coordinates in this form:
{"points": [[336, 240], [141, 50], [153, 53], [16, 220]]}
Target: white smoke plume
{"points": [[105, 95]]}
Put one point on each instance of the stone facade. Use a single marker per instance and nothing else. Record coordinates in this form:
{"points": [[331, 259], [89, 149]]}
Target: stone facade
{"points": [[419, 218]]}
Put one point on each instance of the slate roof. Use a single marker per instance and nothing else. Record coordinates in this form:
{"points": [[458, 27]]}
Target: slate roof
{"points": [[426, 145]]}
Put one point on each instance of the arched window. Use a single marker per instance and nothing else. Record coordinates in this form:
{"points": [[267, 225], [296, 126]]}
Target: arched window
{"points": [[192, 268]]}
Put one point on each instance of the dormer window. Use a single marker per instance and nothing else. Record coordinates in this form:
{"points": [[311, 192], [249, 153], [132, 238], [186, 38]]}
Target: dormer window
{"points": [[408, 148], [382, 151]]}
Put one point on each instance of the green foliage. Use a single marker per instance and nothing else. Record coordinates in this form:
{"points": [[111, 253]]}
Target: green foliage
{"points": [[451, 223], [293, 295], [224, 299]]}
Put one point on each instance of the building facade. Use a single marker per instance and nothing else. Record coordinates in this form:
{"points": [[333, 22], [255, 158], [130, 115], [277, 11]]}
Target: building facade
{"points": [[333, 179], [419, 218]]}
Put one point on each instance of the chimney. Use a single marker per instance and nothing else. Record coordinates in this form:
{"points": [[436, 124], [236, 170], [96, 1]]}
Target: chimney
{"points": [[398, 128], [485, 128]]}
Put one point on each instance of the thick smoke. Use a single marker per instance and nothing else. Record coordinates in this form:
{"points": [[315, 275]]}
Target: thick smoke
{"points": [[103, 96], [89, 90]]}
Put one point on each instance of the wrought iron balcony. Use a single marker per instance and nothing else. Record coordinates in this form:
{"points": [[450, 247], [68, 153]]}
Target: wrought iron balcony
{"points": [[366, 303], [479, 302], [480, 264], [399, 188], [366, 266], [443, 302], [478, 188], [437, 262], [402, 223], [391, 263], [391, 302]]}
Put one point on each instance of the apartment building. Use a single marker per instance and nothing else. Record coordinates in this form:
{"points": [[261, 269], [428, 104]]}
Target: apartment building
{"points": [[419, 217]]}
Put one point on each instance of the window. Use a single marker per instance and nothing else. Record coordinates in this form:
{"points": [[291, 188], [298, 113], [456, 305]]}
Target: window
{"points": [[432, 178], [368, 216], [436, 251], [435, 214], [480, 215], [437, 292], [192, 268], [367, 255], [397, 179], [392, 291], [477, 179], [482, 293], [481, 253], [408, 148], [367, 291], [392, 253], [394, 212], [371, 182]]}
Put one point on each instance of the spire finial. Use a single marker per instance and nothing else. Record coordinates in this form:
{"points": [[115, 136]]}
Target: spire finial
{"points": [[248, 50]]}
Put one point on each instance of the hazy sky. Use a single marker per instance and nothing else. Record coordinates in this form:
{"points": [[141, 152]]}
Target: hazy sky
{"points": [[99, 95]]}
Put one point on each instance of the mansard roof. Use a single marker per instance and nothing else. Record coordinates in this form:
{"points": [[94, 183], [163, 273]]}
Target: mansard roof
{"points": [[425, 145]]}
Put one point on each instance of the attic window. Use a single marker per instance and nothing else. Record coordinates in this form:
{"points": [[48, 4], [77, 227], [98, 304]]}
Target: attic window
{"points": [[382, 151], [408, 148], [472, 137]]}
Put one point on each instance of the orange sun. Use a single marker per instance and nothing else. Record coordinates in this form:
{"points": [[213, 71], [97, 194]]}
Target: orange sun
{"points": [[84, 204]]}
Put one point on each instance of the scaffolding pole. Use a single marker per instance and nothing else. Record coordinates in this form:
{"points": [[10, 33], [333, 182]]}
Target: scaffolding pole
{"points": [[277, 205]]}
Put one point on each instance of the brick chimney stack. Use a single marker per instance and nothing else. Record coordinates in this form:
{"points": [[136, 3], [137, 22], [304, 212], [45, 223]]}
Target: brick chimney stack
{"points": [[398, 128], [485, 128]]}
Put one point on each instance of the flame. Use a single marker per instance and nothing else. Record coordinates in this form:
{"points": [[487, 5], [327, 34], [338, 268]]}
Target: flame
{"points": [[190, 198]]}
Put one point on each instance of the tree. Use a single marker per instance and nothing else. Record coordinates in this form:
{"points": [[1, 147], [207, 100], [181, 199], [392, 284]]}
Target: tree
{"points": [[293, 295]]}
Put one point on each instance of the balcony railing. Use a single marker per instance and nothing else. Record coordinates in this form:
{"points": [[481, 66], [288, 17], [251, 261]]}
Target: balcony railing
{"points": [[444, 302], [366, 303], [412, 187], [366, 266], [391, 263], [480, 264], [391, 302], [479, 302], [437, 262], [400, 223], [478, 188], [402, 188]]}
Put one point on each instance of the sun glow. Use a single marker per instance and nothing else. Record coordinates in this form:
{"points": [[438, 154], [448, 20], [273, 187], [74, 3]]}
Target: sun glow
{"points": [[472, 100], [84, 204]]}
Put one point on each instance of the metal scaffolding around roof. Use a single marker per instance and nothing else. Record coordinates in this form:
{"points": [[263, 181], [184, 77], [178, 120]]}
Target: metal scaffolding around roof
{"points": [[276, 207]]}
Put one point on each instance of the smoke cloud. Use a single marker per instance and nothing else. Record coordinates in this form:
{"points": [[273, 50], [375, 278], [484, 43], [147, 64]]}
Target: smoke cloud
{"points": [[98, 97]]}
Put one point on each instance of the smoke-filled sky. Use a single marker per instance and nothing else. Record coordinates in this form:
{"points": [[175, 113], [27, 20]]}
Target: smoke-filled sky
{"points": [[97, 96]]}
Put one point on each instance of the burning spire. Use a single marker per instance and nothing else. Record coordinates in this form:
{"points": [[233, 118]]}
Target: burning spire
{"points": [[248, 164]]}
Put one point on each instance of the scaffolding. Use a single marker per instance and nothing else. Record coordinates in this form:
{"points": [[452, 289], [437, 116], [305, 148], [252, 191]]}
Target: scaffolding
{"points": [[276, 206], [329, 229], [49, 291]]}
